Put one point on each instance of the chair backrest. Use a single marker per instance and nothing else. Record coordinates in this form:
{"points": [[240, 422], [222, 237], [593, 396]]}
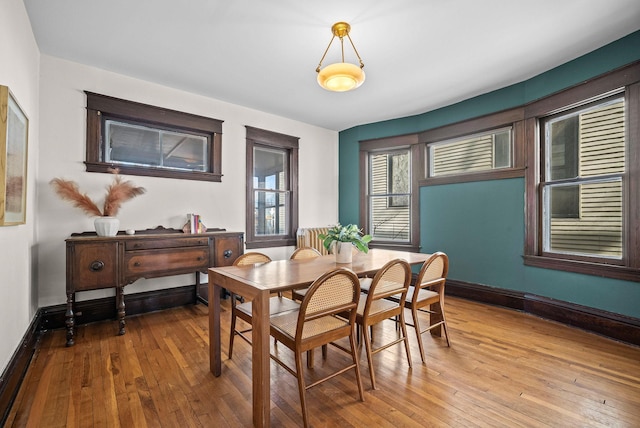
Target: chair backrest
{"points": [[305, 253], [251, 259], [433, 273], [393, 279], [335, 292]]}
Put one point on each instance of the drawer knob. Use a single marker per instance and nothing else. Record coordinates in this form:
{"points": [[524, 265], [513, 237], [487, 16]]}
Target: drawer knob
{"points": [[137, 263], [96, 266], [200, 259], [227, 254]]}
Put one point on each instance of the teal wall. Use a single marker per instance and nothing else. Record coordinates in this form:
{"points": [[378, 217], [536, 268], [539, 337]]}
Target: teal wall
{"points": [[480, 225]]}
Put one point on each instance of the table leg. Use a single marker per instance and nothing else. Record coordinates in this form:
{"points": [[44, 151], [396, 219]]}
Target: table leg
{"points": [[120, 309], [215, 357], [260, 360], [70, 319]]}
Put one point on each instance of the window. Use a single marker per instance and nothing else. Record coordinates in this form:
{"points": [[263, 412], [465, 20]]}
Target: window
{"points": [[145, 140], [480, 152], [484, 148], [389, 178], [583, 194], [272, 189]]}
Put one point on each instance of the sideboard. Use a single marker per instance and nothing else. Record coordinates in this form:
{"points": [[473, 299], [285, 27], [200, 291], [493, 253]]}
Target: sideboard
{"points": [[97, 262]]}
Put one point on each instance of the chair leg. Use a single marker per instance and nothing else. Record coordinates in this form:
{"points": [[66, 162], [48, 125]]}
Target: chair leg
{"points": [[232, 330], [403, 325], [301, 388], [324, 351], [444, 323], [310, 358], [416, 325], [367, 345], [356, 361]]}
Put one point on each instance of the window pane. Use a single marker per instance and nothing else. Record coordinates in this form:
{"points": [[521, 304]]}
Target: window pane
{"points": [[562, 135], [182, 151], [269, 166], [481, 152], [597, 231], [270, 213], [389, 222], [502, 149], [132, 144], [390, 200]]}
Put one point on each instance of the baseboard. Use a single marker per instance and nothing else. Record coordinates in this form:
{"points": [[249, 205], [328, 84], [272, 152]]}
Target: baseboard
{"points": [[15, 371], [87, 311], [614, 326]]}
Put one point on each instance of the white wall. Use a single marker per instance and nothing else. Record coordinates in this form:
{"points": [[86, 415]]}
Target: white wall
{"points": [[167, 201], [19, 71]]}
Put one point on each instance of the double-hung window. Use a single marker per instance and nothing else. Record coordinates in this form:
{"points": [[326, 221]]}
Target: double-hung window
{"points": [[389, 208], [272, 188], [583, 178]]}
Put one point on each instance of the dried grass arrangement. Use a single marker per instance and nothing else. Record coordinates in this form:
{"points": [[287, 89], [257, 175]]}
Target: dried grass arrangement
{"points": [[118, 192]]}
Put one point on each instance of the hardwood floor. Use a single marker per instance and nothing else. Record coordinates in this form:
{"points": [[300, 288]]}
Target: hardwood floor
{"points": [[503, 368]]}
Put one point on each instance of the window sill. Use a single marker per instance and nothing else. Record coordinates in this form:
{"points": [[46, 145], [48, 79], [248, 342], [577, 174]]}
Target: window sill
{"points": [[267, 243], [497, 174], [588, 268], [395, 247], [153, 172]]}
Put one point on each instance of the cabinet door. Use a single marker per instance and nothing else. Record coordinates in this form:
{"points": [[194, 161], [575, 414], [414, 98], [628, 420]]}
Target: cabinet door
{"points": [[227, 250], [92, 266]]}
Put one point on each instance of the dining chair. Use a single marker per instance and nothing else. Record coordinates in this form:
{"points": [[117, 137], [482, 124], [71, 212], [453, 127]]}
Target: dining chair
{"points": [[327, 313], [298, 254], [243, 310], [429, 293], [374, 307]]}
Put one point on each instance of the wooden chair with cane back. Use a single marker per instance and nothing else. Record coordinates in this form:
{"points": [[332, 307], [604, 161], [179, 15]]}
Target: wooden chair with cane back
{"points": [[327, 314]]}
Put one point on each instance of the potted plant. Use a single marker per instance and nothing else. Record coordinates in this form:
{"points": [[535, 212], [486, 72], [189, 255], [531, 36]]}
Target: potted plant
{"points": [[343, 239], [117, 192]]}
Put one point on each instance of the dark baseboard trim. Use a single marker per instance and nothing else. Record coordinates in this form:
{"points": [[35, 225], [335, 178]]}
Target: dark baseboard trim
{"points": [[105, 309], [15, 371], [614, 326]]}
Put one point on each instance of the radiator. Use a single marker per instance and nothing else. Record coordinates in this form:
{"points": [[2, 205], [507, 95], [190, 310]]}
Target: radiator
{"points": [[308, 237]]}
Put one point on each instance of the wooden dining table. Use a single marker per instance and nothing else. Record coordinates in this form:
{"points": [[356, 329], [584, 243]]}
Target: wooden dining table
{"points": [[256, 283]]}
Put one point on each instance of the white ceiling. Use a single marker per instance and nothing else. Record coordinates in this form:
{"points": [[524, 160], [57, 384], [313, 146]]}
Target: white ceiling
{"points": [[418, 54]]}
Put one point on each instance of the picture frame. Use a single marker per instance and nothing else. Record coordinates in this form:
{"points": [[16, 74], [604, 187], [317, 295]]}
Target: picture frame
{"points": [[14, 135]]}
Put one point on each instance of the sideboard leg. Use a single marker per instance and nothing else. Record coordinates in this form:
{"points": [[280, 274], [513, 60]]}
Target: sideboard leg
{"points": [[120, 308], [70, 319]]}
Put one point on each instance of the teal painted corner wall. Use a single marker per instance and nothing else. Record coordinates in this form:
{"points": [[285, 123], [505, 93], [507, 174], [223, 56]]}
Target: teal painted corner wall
{"points": [[480, 225]]}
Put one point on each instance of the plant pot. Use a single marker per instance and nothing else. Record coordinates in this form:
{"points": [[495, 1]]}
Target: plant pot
{"points": [[106, 226], [343, 252]]}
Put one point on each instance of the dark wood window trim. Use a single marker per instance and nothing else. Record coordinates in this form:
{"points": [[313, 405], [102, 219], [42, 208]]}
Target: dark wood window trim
{"points": [[261, 137], [366, 147], [624, 80], [512, 117], [100, 107]]}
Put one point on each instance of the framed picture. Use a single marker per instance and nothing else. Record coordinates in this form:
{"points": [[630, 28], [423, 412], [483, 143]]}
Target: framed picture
{"points": [[14, 131]]}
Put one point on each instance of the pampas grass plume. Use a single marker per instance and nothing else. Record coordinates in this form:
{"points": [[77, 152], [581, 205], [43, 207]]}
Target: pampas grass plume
{"points": [[117, 192]]}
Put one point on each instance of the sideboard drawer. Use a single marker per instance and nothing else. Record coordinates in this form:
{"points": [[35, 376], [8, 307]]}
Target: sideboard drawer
{"points": [[151, 244], [95, 266], [152, 263]]}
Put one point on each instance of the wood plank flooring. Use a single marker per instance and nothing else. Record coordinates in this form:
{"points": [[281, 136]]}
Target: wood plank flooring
{"points": [[503, 369]]}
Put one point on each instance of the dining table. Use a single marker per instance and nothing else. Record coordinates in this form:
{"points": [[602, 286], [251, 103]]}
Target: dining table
{"points": [[256, 283]]}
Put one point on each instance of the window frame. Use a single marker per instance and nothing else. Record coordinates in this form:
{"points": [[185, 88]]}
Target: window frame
{"points": [[625, 80], [512, 118], [256, 137], [102, 107], [368, 147]]}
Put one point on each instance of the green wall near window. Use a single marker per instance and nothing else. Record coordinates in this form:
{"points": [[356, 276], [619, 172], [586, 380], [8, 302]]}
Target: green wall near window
{"points": [[481, 224]]}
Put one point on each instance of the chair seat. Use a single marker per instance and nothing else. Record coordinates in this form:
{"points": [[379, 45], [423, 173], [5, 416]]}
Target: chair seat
{"points": [[286, 322], [276, 305], [423, 295], [377, 306], [365, 284]]}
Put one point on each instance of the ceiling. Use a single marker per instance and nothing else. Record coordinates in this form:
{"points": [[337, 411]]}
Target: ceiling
{"points": [[419, 55]]}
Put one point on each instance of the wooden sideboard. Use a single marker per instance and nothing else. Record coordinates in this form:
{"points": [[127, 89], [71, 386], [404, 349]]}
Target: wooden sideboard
{"points": [[96, 262]]}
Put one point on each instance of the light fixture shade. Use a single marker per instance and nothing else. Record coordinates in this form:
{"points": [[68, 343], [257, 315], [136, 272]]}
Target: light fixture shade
{"points": [[341, 77]]}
